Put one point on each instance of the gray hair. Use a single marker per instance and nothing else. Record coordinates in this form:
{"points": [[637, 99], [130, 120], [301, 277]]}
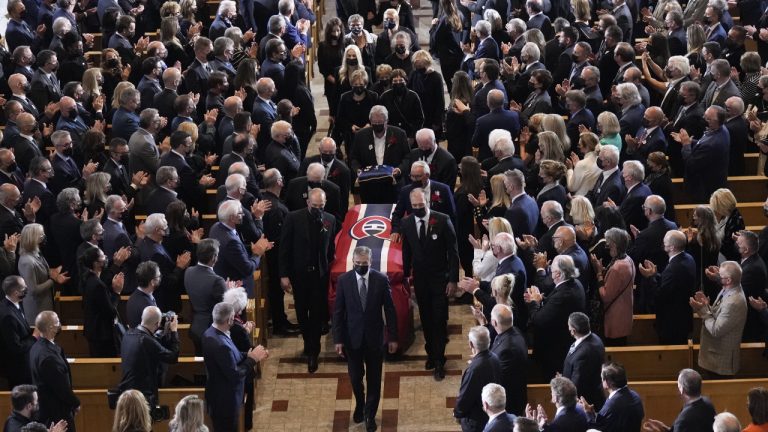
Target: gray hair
{"points": [[154, 221], [66, 198], [634, 169], [483, 28], [503, 315], [480, 338], [726, 422], [234, 34], [579, 321], [566, 266], [501, 139], [422, 164], [689, 382], [128, 95], [222, 313], [532, 50], [362, 251], [629, 92], [88, 228], [226, 5], [228, 209], [676, 240], [109, 204], [315, 171], [401, 36], [147, 116], [59, 136], [237, 298], [564, 391], [518, 26], [553, 209], [721, 66], [506, 242], [285, 6], [271, 177], [276, 24], [737, 103], [60, 25], [620, 239], [221, 44], [207, 250], [734, 271], [494, 396], [165, 174], [150, 316], [380, 110], [234, 182], [656, 203], [594, 70], [680, 63], [515, 177], [611, 153]]}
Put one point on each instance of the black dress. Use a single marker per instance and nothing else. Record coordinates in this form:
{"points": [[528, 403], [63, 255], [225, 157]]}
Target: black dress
{"points": [[661, 185], [429, 87], [464, 227], [305, 122], [352, 113], [328, 60], [459, 128], [448, 43]]}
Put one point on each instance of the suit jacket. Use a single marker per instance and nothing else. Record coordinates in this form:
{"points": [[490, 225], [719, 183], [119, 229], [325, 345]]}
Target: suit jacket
{"points": [[650, 142], [27, 104], [542, 23], [135, 307], [504, 422], [707, 155], [44, 89], [284, 158], [298, 190], [564, 65], [164, 101], [728, 90], [738, 129], [338, 174], [510, 265], [143, 153], [25, 150], [632, 206], [292, 36], [570, 419], [518, 88], [364, 155], [142, 356], [612, 187], [66, 175], [583, 117], [355, 323], [512, 351], [488, 49], [669, 102], [196, 79], [523, 215], [189, 189], [479, 105], [148, 89], [496, 119], [11, 221], [716, 33], [64, 238], [158, 201], [205, 288], [172, 285], [51, 375], [119, 180], [440, 199], [437, 256], [33, 188], [753, 281], [264, 114], [649, 243], [621, 413], [234, 260], [485, 368], [549, 321], [100, 306], [442, 168], [721, 329], [698, 415], [16, 340], [124, 124], [583, 365], [503, 165], [249, 230], [295, 255], [631, 121], [624, 20], [226, 368]]}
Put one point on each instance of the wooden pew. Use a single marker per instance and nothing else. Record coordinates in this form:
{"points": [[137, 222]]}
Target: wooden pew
{"points": [[751, 211], [95, 414], [74, 343], [752, 364], [70, 309], [652, 362], [745, 188], [644, 333], [89, 373]]}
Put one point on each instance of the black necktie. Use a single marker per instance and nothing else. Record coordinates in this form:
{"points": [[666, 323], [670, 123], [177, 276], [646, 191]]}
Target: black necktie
{"points": [[363, 292], [422, 230]]}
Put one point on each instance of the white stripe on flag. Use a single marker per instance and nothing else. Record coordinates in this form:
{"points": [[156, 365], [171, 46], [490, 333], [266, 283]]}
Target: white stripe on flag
{"points": [[353, 242]]}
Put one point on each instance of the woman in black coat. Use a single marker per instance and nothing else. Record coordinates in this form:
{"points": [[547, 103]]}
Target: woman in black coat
{"points": [[459, 119], [184, 234], [353, 110], [446, 35], [100, 303], [471, 184], [305, 121], [428, 84], [551, 174], [330, 52], [404, 106], [659, 180]]}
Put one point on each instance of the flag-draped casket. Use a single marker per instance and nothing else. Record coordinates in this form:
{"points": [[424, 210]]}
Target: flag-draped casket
{"points": [[369, 225]]}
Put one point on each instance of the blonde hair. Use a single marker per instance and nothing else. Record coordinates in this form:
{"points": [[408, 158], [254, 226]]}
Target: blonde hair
{"points": [[556, 124], [609, 123], [358, 74], [501, 288], [90, 82], [119, 89], [499, 191], [581, 9], [722, 202], [96, 187], [552, 169], [590, 141], [189, 415], [581, 210], [498, 225], [383, 70], [30, 238], [345, 70], [550, 146], [189, 128], [422, 55], [132, 413]]}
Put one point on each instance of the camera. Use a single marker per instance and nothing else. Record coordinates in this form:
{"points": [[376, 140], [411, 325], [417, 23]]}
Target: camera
{"points": [[166, 318], [159, 413]]}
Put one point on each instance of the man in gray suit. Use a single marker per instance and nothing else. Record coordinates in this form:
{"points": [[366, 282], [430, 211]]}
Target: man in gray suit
{"points": [[722, 322], [205, 288], [143, 152], [722, 86]]}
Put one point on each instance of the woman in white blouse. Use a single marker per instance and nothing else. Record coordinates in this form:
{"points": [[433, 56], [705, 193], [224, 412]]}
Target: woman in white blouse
{"points": [[583, 173], [484, 263]]}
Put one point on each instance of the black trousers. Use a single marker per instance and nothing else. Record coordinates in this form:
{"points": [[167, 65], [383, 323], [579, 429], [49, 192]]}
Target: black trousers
{"points": [[310, 295], [433, 312], [366, 360], [224, 424], [275, 292]]}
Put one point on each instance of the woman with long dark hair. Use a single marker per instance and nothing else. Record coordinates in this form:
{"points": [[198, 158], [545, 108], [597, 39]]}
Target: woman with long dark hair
{"points": [[446, 32], [246, 77], [182, 237], [459, 119], [330, 52], [704, 246], [471, 184]]}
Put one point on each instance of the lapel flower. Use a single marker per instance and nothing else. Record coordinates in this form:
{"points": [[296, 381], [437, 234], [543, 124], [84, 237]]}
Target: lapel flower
{"points": [[435, 197], [326, 225], [334, 173], [432, 221], [391, 141]]}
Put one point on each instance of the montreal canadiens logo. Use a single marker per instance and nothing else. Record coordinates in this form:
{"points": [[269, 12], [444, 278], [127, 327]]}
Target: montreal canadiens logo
{"points": [[371, 226]]}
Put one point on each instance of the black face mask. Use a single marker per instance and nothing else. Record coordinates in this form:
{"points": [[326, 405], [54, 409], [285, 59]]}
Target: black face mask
{"points": [[23, 14], [398, 88], [377, 128], [358, 90], [67, 152], [124, 160], [731, 44], [313, 185], [706, 21], [352, 62], [400, 49], [27, 87], [418, 184], [112, 63], [420, 212], [531, 86], [389, 25], [316, 213], [23, 293], [327, 158], [72, 114], [385, 83], [681, 100], [646, 123], [426, 153], [357, 31], [12, 167], [575, 58], [599, 163], [361, 269]]}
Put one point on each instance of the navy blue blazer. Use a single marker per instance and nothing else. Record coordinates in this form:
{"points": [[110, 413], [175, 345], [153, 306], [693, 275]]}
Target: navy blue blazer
{"points": [[488, 49], [52, 376], [674, 317], [218, 27], [621, 413], [631, 121], [655, 141], [632, 206], [698, 415], [708, 155], [292, 36], [480, 100], [485, 368], [441, 200], [124, 124], [496, 119], [234, 261], [512, 351], [523, 215], [515, 266], [717, 35], [571, 419], [353, 324], [583, 117], [226, 368], [542, 23], [612, 188], [20, 33], [583, 367], [504, 422]]}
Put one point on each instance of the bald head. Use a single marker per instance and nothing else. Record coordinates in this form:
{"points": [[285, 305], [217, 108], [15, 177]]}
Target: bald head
{"points": [[265, 87], [327, 145], [501, 318], [565, 236], [26, 122], [17, 82], [495, 99], [674, 242], [9, 195], [233, 105], [47, 323], [654, 115], [66, 104], [171, 77], [315, 172]]}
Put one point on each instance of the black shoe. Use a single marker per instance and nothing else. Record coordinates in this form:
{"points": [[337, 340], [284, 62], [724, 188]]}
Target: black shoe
{"points": [[370, 424], [439, 372], [312, 364], [325, 329], [285, 331], [429, 365], [291, 326], [466, 299], [358, 416]]}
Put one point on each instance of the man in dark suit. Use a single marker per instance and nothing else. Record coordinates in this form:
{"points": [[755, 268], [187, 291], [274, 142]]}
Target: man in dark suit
{"points": [[336, 171], [197, 74], [16, 338], [125, 121], [706, 155], [226, 367], [624, 19], [66, 172], [36, 189], [439, 197], [504, 159], [512, 351], [497, 118], [538, 20], [548, 318], [205, 288], [306, 251], [738, 130], [578, 115], [483, 369], [523, 212], [235, 262], [167, 181], [567, 39], [251, 227], [442, 165], [753, 282], [609, 185], [487, 47], [430, 260], [25, 407], [298, 189], [51, 374], [172, 268], [191, 184], [362, 297], [148, 278], [283, 151], [242, 146], [585, 359], [9, 169], [649, 138], [45, 87], [143, 354], [678, 72], [494, 400], [623, 411], [631, 207], [165, 100], [722, 86], [676, 33], [263, 112], [689, 116], [697, 414], [26, 144], [569, 416], [121, 181], [488, 71], [12, 221], [563, 242]]}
